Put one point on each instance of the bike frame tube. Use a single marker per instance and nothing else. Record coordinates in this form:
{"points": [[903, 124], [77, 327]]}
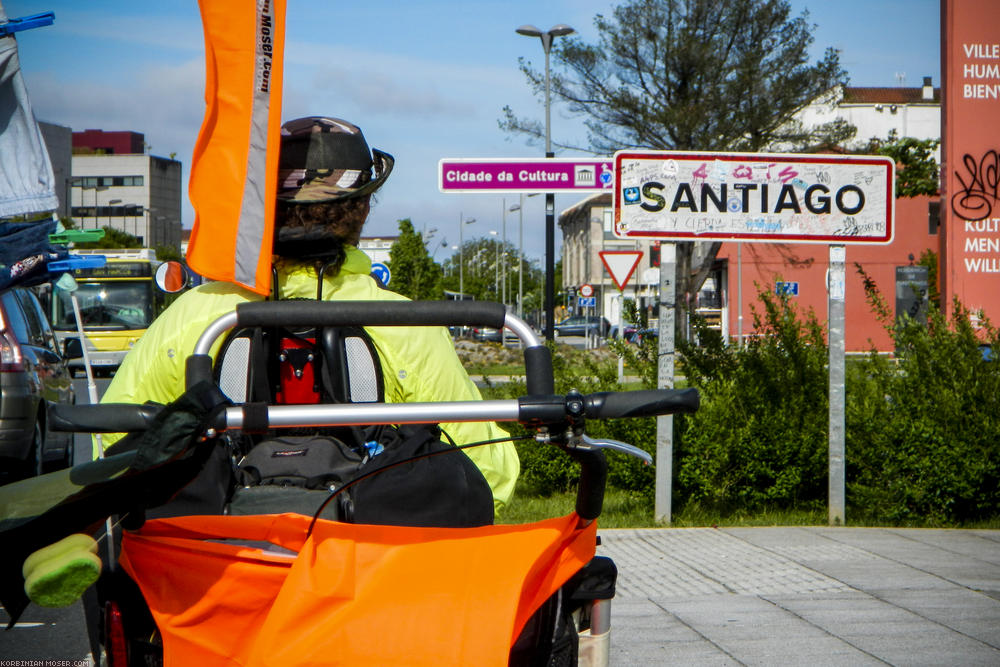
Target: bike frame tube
{"points": [[221, 326], [361, 414]]}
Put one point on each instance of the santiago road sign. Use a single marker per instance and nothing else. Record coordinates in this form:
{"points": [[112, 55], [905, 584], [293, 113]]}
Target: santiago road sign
{"points": [[754, 197]]}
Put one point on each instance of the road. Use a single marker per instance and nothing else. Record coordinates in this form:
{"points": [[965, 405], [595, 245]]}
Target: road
{"points": [[53, 634]]}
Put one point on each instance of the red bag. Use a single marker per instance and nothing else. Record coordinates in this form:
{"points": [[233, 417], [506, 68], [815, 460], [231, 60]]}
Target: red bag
{"points": [[353, 594]]}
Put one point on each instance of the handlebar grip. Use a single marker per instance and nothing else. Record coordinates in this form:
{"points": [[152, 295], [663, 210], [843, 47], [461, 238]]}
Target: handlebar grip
{"points": [[642, 403], [370, 313], [593, 479], [103, 418]]}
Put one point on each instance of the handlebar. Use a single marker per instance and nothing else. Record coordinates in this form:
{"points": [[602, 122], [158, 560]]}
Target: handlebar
{"points": [[102, 418], [537, 359], [557, 419], [558, 416], [549, 411], [370, 313]]}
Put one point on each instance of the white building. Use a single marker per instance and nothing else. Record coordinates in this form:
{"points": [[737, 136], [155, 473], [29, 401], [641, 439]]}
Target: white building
{"points": [[878, 112], [116, 184], [377, 247]]}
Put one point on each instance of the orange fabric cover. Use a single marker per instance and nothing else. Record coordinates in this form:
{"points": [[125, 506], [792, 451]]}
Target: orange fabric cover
{"points": [[355, 594], [235, 163]]}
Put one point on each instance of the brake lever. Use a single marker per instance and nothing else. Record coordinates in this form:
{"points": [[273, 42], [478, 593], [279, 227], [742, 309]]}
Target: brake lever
{"points": [[618, 446]]}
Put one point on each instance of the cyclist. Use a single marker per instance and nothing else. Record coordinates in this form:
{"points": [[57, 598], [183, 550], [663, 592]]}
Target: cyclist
{"points": [[327, 176]]}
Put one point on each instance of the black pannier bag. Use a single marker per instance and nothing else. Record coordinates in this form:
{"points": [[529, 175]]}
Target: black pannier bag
{"points": [[440, 487], [296, 472], [293, 474]]}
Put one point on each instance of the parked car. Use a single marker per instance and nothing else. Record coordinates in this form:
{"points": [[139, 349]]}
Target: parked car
{"points": [[486, 334], [581, 325], [638, 336], [625, 333], [33, 373]]}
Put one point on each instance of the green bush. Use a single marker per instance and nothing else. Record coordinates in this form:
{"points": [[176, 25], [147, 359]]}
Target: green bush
{"points": [[922, 427], [759, 439], [923, 430], [544, 469]]}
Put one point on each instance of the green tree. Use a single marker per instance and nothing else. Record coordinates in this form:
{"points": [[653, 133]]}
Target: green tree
{"points": [[916, 169], [479, 275], [414, 273], [711, 75], [166, 253]]}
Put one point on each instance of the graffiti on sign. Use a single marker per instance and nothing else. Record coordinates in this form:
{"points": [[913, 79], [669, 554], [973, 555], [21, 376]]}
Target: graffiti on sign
{"points": [[765, 197]]}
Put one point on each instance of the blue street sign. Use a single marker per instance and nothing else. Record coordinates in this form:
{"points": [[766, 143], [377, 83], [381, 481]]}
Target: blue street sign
{"points": [[586, 301], [786, 288], [381, 271]]}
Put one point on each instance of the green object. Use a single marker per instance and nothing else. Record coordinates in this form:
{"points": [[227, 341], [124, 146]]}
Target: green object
{"points": [[77, 236], [57, 575], [61, 581]]}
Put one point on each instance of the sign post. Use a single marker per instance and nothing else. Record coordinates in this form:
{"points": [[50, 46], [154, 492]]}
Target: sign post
{"points": [[663, 496], [694, 196], [837, 394]]}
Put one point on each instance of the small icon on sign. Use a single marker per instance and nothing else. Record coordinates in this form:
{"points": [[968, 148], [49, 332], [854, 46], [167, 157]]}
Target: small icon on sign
{"points": [[631, 195], [584, 176], [734, 205], [607, 175]]}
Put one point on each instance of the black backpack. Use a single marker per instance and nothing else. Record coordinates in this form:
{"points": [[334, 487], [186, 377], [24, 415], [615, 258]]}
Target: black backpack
{"points": [[401, 475]]}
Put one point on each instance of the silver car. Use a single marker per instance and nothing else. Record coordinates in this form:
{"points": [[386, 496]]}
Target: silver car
{"points": [[33, 373]]}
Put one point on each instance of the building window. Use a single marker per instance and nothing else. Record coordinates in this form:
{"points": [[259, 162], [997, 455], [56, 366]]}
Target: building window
{"points": [[609, 226], [91, 182]]}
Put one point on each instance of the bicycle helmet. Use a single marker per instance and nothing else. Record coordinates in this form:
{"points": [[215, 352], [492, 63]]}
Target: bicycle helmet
{"points": [[325, 159]]}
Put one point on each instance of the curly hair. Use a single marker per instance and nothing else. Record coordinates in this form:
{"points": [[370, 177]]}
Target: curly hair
{"points": [[319, 231], [341, 218]]}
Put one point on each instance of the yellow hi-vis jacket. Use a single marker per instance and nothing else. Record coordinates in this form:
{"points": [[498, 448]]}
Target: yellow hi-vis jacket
{"points": [[418, 363]]}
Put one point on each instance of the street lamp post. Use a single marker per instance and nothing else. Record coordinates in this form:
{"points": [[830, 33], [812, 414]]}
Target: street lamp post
{"points": [[111, 203], [462, 222], [520, 254], [504, 271], [550, 202], [427, 235], [496, 264], [96, 188]]}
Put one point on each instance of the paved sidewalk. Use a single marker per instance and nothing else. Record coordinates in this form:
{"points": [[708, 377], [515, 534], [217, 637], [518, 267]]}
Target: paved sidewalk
{"points": [[805, 596]]}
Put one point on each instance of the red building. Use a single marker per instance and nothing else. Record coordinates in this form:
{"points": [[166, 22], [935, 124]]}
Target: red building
{"points": [[758, 265], [738, 273], [109, 143]]}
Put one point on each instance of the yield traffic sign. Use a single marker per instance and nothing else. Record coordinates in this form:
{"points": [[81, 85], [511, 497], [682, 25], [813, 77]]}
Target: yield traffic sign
{"points": [[620, 264]]}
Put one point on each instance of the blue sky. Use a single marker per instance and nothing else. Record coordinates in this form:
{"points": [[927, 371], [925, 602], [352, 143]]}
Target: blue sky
{"points": [[425, 79]]}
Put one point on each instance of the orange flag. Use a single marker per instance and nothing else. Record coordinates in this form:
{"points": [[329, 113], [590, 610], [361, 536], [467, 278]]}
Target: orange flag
{"points": [[235, 163]]}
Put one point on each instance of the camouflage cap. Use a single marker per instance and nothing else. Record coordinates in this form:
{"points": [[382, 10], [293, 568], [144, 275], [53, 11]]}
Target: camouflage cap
{"points": [[323, 159]]}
